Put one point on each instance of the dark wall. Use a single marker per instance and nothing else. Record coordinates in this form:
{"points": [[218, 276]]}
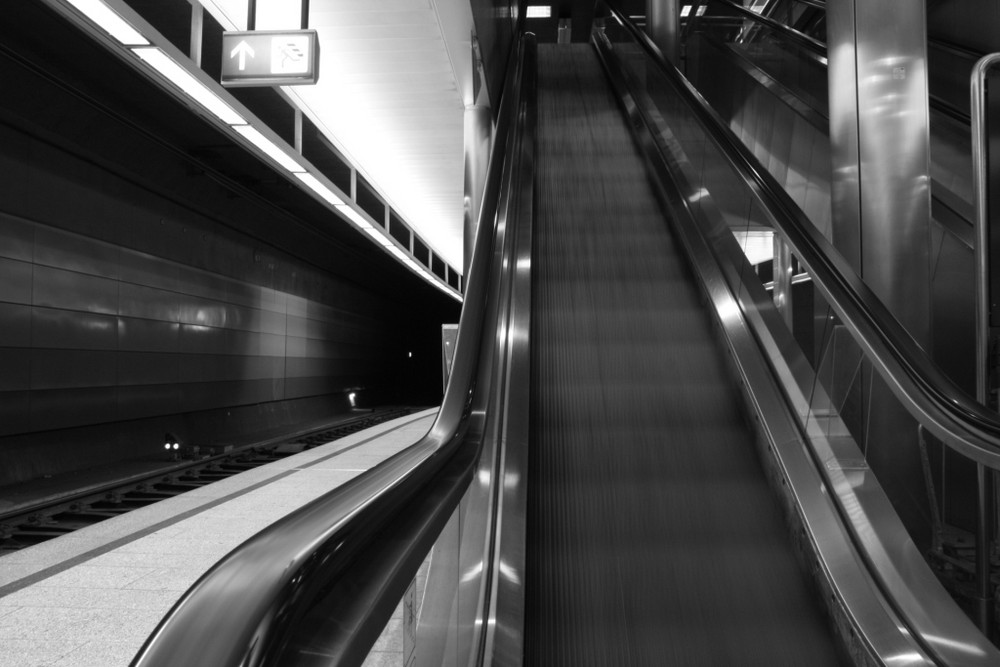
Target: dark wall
{"points": [[144, 289], [973, 26]]}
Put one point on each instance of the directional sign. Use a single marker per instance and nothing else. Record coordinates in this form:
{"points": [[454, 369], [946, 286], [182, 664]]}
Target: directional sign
{"points": [[270, 58]]}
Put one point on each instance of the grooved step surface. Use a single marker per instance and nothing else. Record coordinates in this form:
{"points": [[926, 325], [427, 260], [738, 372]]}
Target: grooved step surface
{"points": [[653, 536]]}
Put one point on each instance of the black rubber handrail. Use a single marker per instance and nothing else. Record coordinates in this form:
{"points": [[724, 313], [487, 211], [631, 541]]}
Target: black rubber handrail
{"points": [[354, 551], [931, 397]]}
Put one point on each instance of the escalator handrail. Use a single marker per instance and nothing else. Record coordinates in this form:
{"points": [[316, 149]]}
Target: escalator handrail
{"points": [[931, 397], [791, 34], [242, 611]]}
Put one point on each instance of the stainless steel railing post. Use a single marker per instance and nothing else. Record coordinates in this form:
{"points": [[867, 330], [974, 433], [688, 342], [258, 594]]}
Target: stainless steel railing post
{"points": [[984, 520]]}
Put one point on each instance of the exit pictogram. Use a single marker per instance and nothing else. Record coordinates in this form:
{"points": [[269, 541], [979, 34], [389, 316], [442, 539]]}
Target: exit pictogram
{"points": [[270, 57]]}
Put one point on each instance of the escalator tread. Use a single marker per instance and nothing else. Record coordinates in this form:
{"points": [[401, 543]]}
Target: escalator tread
{"points": [[653, 537]]}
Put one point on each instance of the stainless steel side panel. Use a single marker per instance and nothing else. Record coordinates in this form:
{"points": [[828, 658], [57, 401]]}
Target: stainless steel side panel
{"points": [[879, 137]]}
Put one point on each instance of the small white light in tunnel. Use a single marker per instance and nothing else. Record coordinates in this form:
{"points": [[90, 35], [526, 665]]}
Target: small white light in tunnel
{"points": [[109, 21], [352, 399], [538, 12], [409, 354]]}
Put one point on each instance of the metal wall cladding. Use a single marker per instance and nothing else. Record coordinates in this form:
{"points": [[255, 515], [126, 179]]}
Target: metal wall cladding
{"points": [[93, 332]]}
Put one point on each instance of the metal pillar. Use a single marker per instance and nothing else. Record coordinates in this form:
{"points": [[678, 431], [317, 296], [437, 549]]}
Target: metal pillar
{"points": [[197, 30], [663, 23], [880, 199], [478, 131], [879, 146]]}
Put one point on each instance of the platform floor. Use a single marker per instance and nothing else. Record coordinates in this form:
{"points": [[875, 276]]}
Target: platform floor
{"points": [[90, 598]]}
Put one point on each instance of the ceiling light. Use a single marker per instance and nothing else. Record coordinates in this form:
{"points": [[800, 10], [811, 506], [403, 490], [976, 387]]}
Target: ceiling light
{"points": [[354, 217], [188, 83], [538, 12], [271, 149], [379, 237], [109, 21], [316, 186]]}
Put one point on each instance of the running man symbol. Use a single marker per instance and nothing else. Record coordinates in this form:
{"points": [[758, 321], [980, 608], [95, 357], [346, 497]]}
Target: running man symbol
{"points": [[290, 54]]}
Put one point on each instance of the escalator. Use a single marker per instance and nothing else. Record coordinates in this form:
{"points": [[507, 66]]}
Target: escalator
{"points": [[634, 463], [652, 535]]}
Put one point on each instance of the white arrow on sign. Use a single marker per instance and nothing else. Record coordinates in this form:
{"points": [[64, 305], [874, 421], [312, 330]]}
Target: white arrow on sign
{"points": [[242, 50]]}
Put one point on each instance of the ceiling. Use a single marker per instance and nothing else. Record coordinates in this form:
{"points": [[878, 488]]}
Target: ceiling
{"points": [[395, 77]]}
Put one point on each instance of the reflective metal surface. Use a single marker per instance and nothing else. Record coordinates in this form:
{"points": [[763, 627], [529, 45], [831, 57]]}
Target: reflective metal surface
{"points": [[941, 631], [324, 581], [985, 501], [879, 126], [476, 614]]}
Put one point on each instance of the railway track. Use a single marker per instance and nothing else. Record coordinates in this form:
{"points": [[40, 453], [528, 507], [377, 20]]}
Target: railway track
{"points": [[29, 525]]}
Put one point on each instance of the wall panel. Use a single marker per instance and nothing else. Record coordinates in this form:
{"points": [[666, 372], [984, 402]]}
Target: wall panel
{"points": [[158, 317]]}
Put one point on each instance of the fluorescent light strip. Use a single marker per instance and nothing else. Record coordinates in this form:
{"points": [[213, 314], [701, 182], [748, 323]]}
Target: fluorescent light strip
{"points": [[316, 186], [354, 217], [188, 83], [271, 149], [379, 237], [109, 21], [538, 12]]}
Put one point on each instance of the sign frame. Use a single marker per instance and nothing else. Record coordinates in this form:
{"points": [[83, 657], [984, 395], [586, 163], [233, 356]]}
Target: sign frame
{"points": [[252, 43]]}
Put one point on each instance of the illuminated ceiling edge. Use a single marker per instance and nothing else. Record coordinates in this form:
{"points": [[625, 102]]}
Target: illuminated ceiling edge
{"points": [[152, 40], [229, 22]]}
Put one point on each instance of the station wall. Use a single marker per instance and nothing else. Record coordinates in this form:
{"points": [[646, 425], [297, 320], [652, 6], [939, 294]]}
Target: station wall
{"points": [[121, 308]]}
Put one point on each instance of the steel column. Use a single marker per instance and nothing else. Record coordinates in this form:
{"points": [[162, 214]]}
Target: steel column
{"points": [[663, 20], [879, 145]]}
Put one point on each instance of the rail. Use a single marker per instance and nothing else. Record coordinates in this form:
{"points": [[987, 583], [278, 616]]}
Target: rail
{"points": [[328, 577]]}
